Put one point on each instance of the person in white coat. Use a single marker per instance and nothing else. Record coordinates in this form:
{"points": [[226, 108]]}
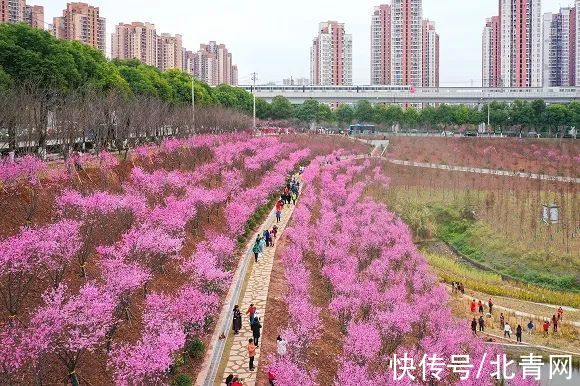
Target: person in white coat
{"points": [[507, 330], [281, 346]]}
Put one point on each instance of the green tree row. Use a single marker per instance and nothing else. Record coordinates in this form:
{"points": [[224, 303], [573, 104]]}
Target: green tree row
{"points": [[57, 68]]}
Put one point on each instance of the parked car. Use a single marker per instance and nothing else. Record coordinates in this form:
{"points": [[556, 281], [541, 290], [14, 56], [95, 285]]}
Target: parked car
{"points": [[533, 134], [470, 133], [447, 134]]}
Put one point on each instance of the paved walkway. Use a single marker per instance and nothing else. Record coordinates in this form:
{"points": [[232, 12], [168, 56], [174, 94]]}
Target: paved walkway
{"points": [[256, 293]]}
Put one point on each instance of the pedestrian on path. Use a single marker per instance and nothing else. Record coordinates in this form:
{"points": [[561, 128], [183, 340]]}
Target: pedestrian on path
{"points": [[256, 327], [501, 320], [262, 245], [560, 313], [546, 327], [251, 311], [281, 346], [256, 317], [507, 331], [266, 235], [519, 333], [473, 305], [237, 322], [555, 323], [279, 207], [474, 326], [273, 235], [230, 379], [256, 249], [490, 305], [294, 197], [530, 327], [251, 353], [237, 382], [480, 306], [481, 322]]}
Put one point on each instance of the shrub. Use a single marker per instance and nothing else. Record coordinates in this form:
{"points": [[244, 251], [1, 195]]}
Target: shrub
{"points": [[195, 348], [181, 380]]}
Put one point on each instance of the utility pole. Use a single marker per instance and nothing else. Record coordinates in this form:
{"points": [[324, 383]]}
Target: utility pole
{"points": [[254, 79], [193, 102]]}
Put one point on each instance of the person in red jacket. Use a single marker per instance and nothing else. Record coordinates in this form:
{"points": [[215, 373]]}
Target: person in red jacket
{"points": [[473, 306], [251, 311], [271, 378], [546, 327], [279, 206]]}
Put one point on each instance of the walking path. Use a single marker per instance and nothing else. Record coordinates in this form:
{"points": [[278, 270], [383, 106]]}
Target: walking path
{"points": [[256, 293]]}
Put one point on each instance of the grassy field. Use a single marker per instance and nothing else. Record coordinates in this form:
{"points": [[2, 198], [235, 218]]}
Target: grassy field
{"points": [[493, 221], [449, 269]]}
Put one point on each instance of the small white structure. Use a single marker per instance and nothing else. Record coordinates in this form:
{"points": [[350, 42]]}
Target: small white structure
{"points": [[551, 214]]}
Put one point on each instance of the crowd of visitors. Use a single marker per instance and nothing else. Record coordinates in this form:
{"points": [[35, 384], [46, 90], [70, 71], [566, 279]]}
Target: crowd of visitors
{"points": [[265, 239]]}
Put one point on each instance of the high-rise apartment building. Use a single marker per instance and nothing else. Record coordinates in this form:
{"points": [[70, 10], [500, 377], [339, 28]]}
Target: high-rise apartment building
{"points": [[212, 64], [169, 52], [82, 22], [17, 11], [521, 43], [577, 38], [407, 42], [559, 56], [34, 16], [491, 47], [381, 45], [331, 56], [430, 54], [12, 11], [135, 41], [234, 75], [513, 45]]}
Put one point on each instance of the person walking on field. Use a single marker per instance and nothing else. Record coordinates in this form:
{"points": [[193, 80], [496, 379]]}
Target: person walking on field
{"points": [[256, 249], [555, 323], [507, 331], [560, 313], [546, 327], [473, 306], [251, 353], [256, 327], [480, 306], [251, 311], [474, 326], [490, 305], [519, 333], [530, 327], [501, 320], [481, 322], [237, 322]]}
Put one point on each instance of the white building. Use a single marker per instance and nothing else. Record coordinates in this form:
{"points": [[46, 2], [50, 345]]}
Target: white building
{"points": [[331, 56], [407, 42], [521, 43]]}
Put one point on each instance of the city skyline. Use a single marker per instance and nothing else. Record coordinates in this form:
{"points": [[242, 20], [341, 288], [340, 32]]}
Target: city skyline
{"points": [[269, 25]]}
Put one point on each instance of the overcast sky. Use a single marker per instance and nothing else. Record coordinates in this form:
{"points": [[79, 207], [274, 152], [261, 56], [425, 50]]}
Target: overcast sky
{"points": [[273, 37]]}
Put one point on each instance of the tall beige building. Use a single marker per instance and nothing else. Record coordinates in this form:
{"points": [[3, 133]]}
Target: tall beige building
{"points": [[212, 64], [169, 52], [135, 41], [17, 11], [82, 22], [34, 15]]}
